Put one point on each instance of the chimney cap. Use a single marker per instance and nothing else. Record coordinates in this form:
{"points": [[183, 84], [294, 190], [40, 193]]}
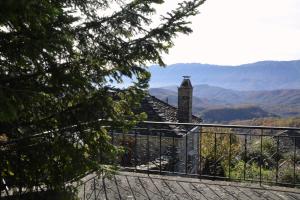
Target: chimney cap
{"points": [[186, 83]]}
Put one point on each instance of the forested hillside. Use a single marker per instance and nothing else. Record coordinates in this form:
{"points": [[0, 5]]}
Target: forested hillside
{"points": [[282, 103], [284, 122]]}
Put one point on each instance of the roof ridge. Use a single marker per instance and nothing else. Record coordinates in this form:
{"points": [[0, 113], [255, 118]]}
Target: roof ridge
{"points": [[171, 106], [163, 102]]}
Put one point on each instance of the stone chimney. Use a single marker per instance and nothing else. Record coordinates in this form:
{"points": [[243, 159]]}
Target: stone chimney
{"points": [[185, 96]]}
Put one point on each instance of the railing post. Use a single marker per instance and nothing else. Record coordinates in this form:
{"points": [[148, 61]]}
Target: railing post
{"points": [[277, 159], [159, 152], [135, 149], [186, 153], [148, 150], [294, 161], [229, 163], [174, 149], [199, 152], [261, 154], [112, 137], [115, 161], [245, 159], [215, 155]]}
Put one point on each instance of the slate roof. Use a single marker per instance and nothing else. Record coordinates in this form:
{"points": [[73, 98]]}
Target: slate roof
{"points": [[135, 186], [160, 111]]}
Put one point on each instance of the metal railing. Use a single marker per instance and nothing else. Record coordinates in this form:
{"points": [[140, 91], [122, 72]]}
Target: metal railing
{"points": [[261, 154], [264, 154]]}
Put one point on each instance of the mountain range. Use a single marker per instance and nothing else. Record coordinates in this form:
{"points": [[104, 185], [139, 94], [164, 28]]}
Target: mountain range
{"points": [[264, 75], [225, 93]]}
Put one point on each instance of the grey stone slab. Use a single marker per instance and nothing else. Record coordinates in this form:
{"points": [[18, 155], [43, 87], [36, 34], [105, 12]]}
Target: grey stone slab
{"points": [[233, 193], [111, 189], [138, 190], [293, 196], [150, 189], [207, 191], [193, 191], [249, 193], [138, 186], [164, 189], [123, 187]]}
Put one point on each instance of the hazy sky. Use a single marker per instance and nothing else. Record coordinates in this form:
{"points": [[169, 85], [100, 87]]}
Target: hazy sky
{"points": [[235, 32]]}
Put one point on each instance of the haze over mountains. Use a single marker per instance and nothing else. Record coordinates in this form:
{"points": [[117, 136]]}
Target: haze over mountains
{"points": [[263, 89], [265, 75]]}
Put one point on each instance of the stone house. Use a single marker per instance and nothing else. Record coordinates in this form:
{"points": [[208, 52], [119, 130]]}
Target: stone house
{"points": [[176, 146]]}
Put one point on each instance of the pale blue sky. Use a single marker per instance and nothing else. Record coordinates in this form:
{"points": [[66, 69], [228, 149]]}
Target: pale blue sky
{"points": [[235, 32]]}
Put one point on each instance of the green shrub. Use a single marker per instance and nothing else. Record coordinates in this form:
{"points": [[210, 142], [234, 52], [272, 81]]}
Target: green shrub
{"points": [[288, 175], [252, 171]]}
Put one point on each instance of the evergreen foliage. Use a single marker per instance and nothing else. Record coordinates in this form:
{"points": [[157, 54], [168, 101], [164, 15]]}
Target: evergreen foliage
{"points": [[58, 60]]}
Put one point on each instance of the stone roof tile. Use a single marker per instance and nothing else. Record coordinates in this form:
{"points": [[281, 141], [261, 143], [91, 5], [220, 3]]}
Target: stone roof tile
{"points": [[158, 110]]}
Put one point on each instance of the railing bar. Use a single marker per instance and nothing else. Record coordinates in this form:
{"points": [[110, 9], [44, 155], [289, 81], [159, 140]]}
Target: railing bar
{"points": [[152, 122], [113, 137], [229, 163], [186, 154], [223, 125], [135, 149], [160, 152], [245, 161], [261, 154], [277, 159], [174, 149], [168, 123], [130, 134], [215, 155], [240, 134], [148, 151], [199, 154], [156, 129], [294, 161]]}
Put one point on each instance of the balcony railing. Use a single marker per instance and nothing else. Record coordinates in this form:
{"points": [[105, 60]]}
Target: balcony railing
{"points": [[269, 155]]}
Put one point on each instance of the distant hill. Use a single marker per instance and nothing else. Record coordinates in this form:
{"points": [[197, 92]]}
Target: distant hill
{"points": [[227, 96], [213, 110], [234, 113], [280, 102], [265, 75], [283, 122]]}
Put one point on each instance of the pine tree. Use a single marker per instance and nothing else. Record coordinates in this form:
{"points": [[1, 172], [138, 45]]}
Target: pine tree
{"points": [[58, 60]]}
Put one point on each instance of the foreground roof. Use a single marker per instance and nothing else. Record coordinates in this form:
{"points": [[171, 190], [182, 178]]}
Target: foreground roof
{"points": [[128, 185]]}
